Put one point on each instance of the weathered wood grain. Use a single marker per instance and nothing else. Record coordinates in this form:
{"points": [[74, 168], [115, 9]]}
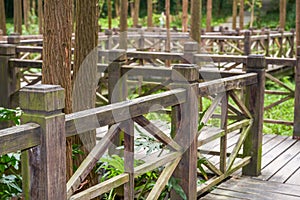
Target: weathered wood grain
{"points": [[19, 138]]}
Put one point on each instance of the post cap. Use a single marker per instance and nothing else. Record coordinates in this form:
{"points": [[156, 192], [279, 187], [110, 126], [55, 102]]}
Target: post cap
{"points": [[14, 38], [7, 49], [185, 72], [256, 61], [190, 46], [42, 98]]}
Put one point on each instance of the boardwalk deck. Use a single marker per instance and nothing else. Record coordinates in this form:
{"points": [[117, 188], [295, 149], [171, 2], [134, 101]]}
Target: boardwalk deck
{"points": [[281, 156], [280, 178]]}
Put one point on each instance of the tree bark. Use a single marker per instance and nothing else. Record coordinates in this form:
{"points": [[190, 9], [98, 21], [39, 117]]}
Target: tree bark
{"points": [[234, 13], [196, 21], [297, 23], [2, 17], [57, 54], [185, 7], [282, 14], [109, 13], [123, 24], [241, 14], [149, 13], [252, 7], [18, 16], [117, 7], [41, 16], [208, 15], [136, 13], [26, 10], [85, 73], [168, 42]]}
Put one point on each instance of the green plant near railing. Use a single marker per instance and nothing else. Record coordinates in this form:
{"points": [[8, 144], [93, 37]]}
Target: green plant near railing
{"points": [[10, 178], [111, 166]]}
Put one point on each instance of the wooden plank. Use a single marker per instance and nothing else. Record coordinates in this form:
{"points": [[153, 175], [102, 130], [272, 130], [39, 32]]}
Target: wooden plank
{"points": [[294, 179], [156, 55], [30, 49], [101, 188], [19, 138], [245, 183], [211, 196], [287, 170], [91, 119], [89, 162], [271, 155], [163, 180], [25, 63], [226, 84], [280, 161], [240, 104]]}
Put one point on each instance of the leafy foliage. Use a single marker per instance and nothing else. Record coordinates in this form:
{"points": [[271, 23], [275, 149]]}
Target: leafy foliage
{"points": [[10, 179]]}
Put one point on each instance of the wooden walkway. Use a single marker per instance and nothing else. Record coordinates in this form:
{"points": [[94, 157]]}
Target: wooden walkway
{"points": [[280, 178]]}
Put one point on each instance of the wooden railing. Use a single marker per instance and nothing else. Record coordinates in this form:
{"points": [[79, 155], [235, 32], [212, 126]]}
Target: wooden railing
{"points": [[47, 129]]}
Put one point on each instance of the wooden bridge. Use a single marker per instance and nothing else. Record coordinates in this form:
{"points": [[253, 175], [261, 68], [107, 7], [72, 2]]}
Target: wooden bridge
{"points": [[234, 146]]}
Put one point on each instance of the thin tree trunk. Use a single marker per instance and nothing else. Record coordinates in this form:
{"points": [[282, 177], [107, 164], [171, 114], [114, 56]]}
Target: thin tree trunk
{"points": [[85, 73], [41, 16], [18, 16], [131, 4], [26, 10], [117, 8], [109, 13], [168, 41], [57, 54], [196, 21], [185, 7], [282, 14], [136, 13], [241, 14], [297, 23], [234, 14], [123, 24], [252, 13], [149, 13], [208, 15], [2, 17]]}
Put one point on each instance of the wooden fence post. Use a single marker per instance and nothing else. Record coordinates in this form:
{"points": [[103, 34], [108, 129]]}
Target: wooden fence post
{"points": [[46, 164], [247, 42], [185, 127], [280, 40], [189, 49], [108, 42], [267, 43], [255, 103], [7, 77], [296, 133], [141, 41], [292, 43]]}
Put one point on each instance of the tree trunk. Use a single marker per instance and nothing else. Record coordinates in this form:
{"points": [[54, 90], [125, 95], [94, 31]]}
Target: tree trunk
{"points": [[85, 73], [2, 17], [149, 13], [241, 14], [136, 13], [109, 13], [131, 4], [57, 54], [18, 16], [196, 21], [234, 13], [123, 24], [297, 23], [208, 15], [117, 7], [168, 41], [282, 14], [185, 16], [41, 16], [252, 6], [26, 10]]}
